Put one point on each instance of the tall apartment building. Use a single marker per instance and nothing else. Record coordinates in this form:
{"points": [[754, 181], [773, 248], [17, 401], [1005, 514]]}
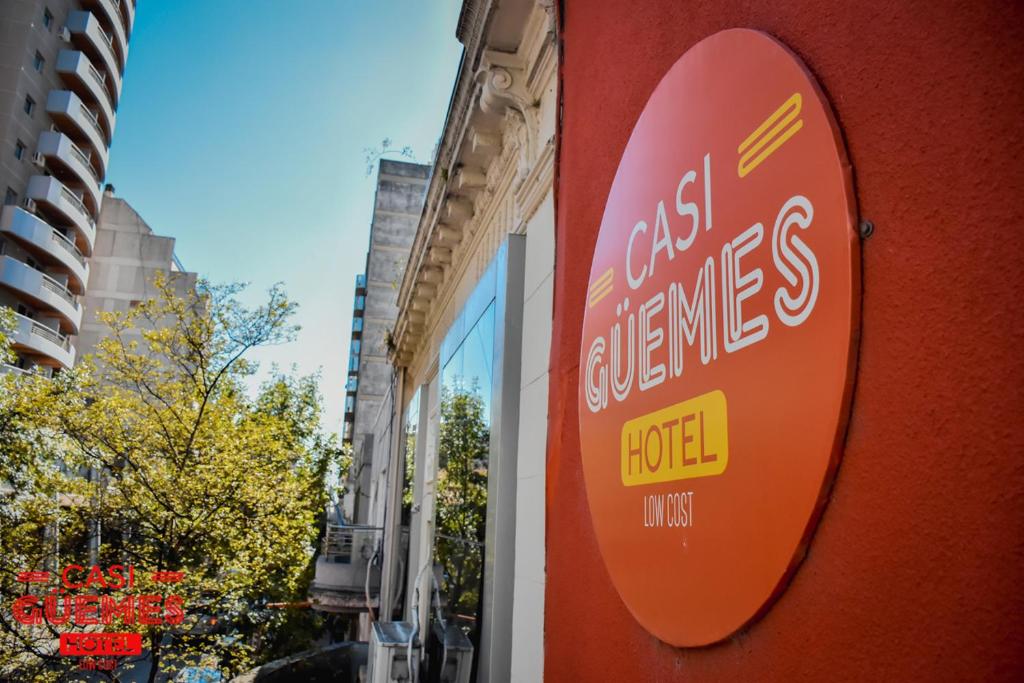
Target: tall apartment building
{"points": [[127, 258], [354, 348], [61, 64], [401, 186]]}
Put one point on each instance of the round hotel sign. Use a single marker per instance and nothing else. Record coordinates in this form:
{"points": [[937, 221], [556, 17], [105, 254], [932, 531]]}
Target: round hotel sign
{"points": [[719, 338]]}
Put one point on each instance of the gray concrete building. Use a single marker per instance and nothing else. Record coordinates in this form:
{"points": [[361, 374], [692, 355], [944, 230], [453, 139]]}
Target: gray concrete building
{"points": [[61, 65], [348, 569], [127, 258], [397, 206]]}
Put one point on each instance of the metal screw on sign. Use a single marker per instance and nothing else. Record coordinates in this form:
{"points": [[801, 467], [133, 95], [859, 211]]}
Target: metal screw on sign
{"points": [[867, 229]]}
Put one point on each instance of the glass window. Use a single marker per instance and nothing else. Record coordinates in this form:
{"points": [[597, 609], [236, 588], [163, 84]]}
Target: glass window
{"points": [[47, 17], [353, 363], [11, 197], [38, 62], [357, 324], [19, 150], [352, 384], [360, 303], [463, 455], [30, 105]]}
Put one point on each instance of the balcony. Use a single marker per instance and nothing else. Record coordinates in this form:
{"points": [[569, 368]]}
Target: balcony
{"points": [[6, 369], [89, 84], [72, 166], [89, 36], [54, 199], [343, 567], [110, 14], [42, 291], [128, 12], [47, 244], [33, 338], [75, 119]]}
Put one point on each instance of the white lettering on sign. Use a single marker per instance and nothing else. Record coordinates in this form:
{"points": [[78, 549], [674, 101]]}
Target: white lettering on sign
{"points": [[668, 509], [647, 346]]}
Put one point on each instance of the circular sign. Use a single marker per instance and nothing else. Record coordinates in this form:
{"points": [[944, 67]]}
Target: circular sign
{"points": [[719, 338]]}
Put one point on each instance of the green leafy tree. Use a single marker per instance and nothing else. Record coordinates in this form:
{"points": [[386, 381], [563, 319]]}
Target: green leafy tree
{"points": [[462, 497], [156, 441]]}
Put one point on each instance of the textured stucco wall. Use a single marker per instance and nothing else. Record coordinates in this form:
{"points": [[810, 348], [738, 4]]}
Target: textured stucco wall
{"points": [[915, 571]]}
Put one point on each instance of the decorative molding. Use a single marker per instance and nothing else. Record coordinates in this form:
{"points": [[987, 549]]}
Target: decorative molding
{"points": [[491, 173]]}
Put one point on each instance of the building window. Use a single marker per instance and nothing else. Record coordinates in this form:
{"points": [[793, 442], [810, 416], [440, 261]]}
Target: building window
{"points": [[47, 18], [30, 105], [19, 150], [412, 426], [11, 198], [38, 62]]}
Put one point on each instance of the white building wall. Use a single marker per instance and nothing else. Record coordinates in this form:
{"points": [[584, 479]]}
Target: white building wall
{"points": [[528, 599]]}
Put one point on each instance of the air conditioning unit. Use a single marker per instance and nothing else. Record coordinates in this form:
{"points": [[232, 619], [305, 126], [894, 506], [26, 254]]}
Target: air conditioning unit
{"points": [[389, 652], [29, 204], [450, 653], [39, 160], [64, 34]]}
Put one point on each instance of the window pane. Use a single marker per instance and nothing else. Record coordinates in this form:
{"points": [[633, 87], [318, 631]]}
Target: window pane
{"points": [[464, 450]]}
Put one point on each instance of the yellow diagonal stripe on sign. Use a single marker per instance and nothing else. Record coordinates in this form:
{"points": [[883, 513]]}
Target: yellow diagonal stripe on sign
{"points": [[602, 287], [770, 135]]}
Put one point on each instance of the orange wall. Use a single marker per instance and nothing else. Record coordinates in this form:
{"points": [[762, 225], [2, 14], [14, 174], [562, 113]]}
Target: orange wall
{"points": [[916, 570]]}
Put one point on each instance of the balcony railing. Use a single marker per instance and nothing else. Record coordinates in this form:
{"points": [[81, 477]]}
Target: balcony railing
{"points": [[344, 544], [78, 122], [84, 158], [89, 35], [68, 246], [46, 333], [89, 83], [101, 80], [77, 202], [93, 120], [59, 289], [46, 243], [14, 370]]}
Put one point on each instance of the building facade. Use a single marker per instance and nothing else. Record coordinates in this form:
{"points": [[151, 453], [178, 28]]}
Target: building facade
{"points": [[347, 574], [354, 349], [61, 68], [397, 205], [126, 260], [902, 579], [481, 481], [458, 448]]}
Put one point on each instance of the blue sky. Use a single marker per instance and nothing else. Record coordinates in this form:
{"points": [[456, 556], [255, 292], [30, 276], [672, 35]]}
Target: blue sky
{"points": [[241, 132]]}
